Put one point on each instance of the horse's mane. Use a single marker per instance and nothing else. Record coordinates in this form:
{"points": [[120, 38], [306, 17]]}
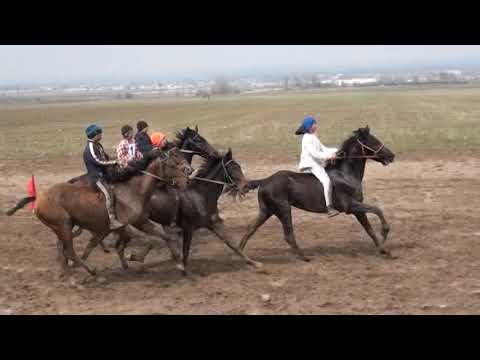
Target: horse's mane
{"points": [[344, 148], [347, 144], [207, 164], [181, 136]]}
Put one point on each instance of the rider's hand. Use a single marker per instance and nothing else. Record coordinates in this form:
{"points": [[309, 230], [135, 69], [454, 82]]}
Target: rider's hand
{"points": [[333, 157]]}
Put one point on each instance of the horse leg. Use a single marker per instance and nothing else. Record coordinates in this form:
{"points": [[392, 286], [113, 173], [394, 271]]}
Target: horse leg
{"points": [[253, 227], [120, 246], [216, 216], [285, 217], [219, 230], [102, 245], [77, 232], [92, 244], [66, 236], [366, 208], [140, 256], [362, 219], [62, 260], [187, 240], [148, 238], [152, 227]]}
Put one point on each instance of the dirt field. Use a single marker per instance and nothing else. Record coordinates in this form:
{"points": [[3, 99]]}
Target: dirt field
{"points": [[430, 199]]}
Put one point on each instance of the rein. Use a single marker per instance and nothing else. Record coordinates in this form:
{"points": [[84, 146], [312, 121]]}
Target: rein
{"points": [[227, 175], [169, 182], [364, 156]]}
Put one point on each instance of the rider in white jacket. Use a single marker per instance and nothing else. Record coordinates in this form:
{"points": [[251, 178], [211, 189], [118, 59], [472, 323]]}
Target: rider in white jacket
{"points": [[314, 159]]}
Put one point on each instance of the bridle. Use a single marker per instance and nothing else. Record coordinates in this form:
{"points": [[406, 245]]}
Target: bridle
{"points": [[364, 155], [226, 174], [375, 152]]}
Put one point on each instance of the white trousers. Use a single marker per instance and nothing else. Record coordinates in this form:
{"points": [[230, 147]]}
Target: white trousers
{"points": [[322, 175]]}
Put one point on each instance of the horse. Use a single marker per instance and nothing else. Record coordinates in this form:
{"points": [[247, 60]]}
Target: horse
{"points": [[284, 189], [65, 205], [190, 143], [197, 203]]}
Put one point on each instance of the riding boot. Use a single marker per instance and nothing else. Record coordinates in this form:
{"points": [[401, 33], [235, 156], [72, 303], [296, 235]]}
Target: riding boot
{"points": [[114, 223], [331, 211]]}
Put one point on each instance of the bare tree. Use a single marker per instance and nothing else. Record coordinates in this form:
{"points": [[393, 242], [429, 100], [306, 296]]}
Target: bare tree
{"points": [[222, 86]]}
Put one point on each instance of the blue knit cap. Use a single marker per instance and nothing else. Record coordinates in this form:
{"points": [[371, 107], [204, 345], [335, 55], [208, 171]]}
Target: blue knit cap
{"points": [[92, 131]]}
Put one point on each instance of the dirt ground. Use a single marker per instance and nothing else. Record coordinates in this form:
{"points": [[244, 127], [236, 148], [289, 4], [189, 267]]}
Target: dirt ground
{"points": [[432, 206]]}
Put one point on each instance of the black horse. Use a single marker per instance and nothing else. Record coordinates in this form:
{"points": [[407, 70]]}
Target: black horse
{"points": [[198, 202], [284, 189]]}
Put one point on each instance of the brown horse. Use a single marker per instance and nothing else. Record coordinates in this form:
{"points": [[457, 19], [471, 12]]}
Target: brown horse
{"points": [[64, 205]]}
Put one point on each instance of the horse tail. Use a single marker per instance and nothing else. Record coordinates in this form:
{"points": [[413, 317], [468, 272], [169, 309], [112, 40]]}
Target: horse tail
{"points": [[253, 184], [21, 204], [32, 192]]}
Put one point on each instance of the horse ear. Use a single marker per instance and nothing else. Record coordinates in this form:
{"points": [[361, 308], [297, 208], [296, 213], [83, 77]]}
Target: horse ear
{"points": [[229, 153], [188, 128], [196, 128], [367, 129]]}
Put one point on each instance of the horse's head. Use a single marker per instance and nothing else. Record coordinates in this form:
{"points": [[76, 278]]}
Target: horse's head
{"points": [[233, 173], [171, 165], [190, 139], [372, 147]]}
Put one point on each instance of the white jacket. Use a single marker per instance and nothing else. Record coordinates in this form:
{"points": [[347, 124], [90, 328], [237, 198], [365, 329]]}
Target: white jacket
{"points": [[314, 153]]}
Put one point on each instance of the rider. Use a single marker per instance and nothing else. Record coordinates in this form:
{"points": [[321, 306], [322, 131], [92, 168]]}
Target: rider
{"points": [[144, 144], [314, 159], [127, 149], [158, 140], [96, 162]]}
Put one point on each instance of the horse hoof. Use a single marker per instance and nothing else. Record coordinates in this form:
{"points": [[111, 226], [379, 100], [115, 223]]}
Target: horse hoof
{"points": [[257, 264], [387, 254]]}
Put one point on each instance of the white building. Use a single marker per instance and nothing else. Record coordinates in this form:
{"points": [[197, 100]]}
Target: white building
{"points": [[355, 81]]}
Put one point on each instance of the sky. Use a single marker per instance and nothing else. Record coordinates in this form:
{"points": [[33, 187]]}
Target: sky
{"points": [[63, 63]]}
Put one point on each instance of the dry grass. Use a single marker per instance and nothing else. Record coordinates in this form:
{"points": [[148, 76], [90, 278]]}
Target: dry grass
{"points": [[407, 120]]}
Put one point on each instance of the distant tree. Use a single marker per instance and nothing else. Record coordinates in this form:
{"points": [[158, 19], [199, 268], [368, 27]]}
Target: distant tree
{"points": [[222, 86], [128, 95], [285, 83]]}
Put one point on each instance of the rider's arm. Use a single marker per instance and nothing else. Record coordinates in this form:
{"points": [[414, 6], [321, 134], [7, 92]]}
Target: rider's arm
{"points": [[312, 149], [95, 157]]}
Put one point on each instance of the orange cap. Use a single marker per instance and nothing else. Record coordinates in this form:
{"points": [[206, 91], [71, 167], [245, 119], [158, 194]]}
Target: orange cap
{"points": [[157, 138]]}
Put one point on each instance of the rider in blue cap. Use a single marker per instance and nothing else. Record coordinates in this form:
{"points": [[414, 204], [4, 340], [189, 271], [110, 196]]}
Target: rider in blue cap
{"points": [[314, 159], [96, 162]]}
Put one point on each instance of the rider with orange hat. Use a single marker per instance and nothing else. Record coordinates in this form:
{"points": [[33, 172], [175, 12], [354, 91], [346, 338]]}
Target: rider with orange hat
{"points": [[158, 139]]}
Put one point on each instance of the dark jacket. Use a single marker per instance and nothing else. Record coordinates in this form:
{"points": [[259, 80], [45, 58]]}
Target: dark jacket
{"points": [[144, 144], [96, 161]]}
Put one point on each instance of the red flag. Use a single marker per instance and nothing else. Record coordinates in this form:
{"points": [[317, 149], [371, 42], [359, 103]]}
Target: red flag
{"points": [[32, 191]]}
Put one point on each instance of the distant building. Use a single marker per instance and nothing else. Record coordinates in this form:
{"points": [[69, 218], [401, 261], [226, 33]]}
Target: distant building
{"points": [[355, 81]]}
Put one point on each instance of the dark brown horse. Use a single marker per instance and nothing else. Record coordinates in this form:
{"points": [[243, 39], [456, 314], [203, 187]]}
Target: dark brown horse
{"points": [[197, 204], [284, 189], [64, 205]]}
